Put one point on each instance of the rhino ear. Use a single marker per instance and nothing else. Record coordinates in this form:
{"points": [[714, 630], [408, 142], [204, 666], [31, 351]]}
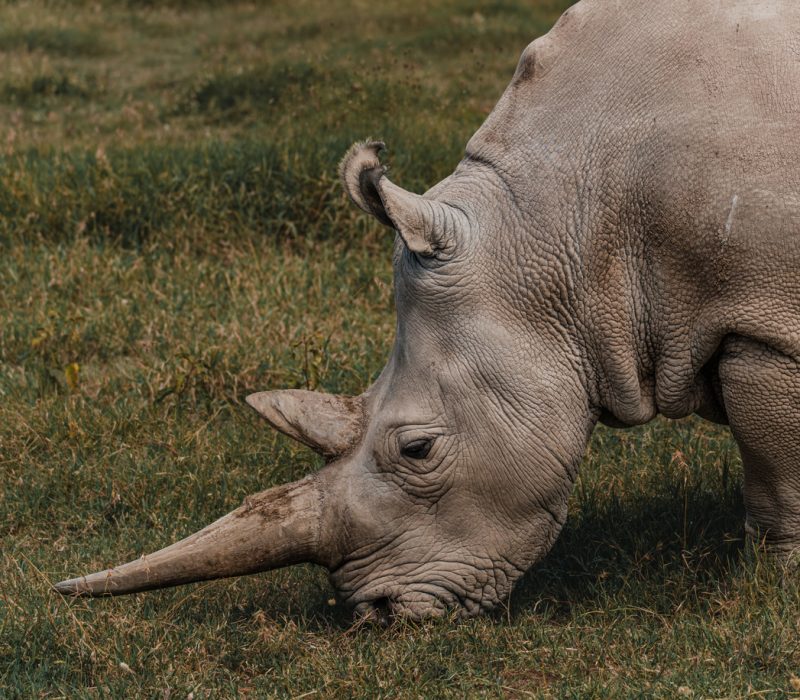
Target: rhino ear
{"points": [[330, 425], [428, 227], [360, 171]]}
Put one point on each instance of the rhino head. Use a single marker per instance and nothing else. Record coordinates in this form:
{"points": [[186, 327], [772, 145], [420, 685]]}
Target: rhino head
{"points": [[450, 475]]}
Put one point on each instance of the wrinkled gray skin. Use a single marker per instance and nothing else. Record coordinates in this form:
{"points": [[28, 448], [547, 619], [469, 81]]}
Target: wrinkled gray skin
{"points": [[621, 239]]}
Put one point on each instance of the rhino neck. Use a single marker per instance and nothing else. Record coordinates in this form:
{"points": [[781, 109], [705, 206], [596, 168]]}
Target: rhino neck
{"points": [[618, 319], [579, 266]]}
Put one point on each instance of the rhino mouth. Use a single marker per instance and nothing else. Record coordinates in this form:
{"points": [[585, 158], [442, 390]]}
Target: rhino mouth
{"points": [[415, 602], [377, 611], [449, 588], [410, 606]]}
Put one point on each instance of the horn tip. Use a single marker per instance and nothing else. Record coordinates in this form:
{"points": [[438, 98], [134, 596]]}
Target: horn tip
{"points": [[263, 402], [98, 584], [255, 400], [273, 406], [72, 586]]}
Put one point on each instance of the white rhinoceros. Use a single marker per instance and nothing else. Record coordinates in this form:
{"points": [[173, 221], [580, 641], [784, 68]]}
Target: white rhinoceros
{"points": [[621, 239]]}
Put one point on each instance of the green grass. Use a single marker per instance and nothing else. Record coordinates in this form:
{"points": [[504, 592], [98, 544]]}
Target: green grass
{"points": [[54, 40], [172, 237]]}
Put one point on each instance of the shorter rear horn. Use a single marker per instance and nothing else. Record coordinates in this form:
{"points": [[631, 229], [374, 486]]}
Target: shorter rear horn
{"points": [[330, 425]]}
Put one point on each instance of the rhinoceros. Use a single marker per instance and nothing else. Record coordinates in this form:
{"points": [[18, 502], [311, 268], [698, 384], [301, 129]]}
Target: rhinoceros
{"points": [[621, 239]]}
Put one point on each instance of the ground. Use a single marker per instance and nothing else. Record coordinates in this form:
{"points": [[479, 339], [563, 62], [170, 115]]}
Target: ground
{"points": [[173, 237]]}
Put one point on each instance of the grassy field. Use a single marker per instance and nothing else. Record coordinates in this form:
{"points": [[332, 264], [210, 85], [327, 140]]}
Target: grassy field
{"points": [[172, 237]]}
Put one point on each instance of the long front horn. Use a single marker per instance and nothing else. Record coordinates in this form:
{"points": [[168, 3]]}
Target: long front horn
{"points": [[271, 529]]}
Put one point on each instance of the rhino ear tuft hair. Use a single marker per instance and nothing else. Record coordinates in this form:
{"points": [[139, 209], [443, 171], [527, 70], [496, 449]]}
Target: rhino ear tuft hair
{"points": [[427, 226], [330, 425], [360, 170]]}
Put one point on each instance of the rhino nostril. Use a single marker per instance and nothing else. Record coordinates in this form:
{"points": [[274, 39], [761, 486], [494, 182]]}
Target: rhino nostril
{"points": [[382, 604], [383, 610], [377, 611]]}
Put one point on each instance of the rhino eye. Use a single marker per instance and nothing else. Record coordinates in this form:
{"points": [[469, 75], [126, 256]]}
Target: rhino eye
{"points": [[417, 449]]}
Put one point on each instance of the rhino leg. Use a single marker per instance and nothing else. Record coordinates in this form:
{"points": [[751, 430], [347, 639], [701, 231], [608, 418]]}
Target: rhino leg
{"points": [[761, 391]]}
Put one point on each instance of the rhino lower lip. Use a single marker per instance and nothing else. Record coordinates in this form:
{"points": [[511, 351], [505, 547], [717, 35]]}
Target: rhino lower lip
{"points": [[384, 611], [413, 604]]}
